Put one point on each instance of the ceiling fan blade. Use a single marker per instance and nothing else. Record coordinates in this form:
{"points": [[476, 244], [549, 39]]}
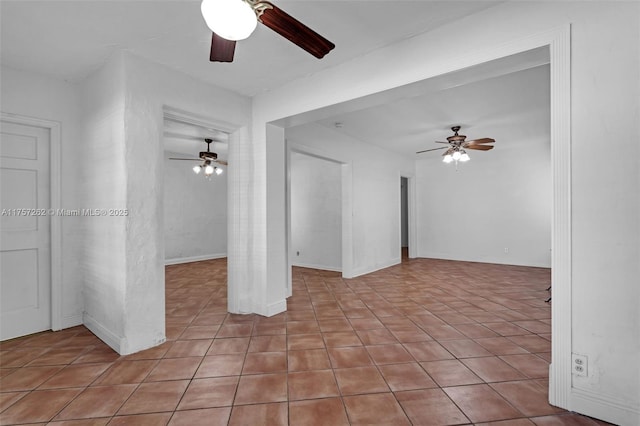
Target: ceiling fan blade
{"points": [[224, 163], [295, 31], [480, 141], [434, 149], [479, 147], [186, 159], [440, 142], [222, 50]]}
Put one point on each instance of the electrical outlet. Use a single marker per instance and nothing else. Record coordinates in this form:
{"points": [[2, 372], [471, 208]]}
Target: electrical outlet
{"points": [[579, 365]]}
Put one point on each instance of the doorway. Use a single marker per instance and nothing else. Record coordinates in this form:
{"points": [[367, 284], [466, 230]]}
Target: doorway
{"points": [[404, 218]]}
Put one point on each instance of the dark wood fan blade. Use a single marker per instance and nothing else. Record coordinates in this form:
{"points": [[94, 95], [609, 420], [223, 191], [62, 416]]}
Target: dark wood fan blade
{"points": [[224, 163], [479, 147], [296, 32], [187, 159], [222, 50], [441, 142], [480, 141], [434, 149]]}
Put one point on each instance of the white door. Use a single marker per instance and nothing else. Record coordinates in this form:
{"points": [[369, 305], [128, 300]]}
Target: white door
{"points": [[25, 236]]}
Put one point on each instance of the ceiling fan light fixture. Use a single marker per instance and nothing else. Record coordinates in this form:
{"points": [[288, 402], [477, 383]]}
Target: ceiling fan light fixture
{"points": [[218, 171], [230, 19], [208, 170], [464, 157], [456, 155], [197, 169], [447, 158]]}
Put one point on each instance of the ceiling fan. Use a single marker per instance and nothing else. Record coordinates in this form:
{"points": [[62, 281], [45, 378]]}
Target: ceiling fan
{"points": [[233, 20], [457, 145], [207, 158]]}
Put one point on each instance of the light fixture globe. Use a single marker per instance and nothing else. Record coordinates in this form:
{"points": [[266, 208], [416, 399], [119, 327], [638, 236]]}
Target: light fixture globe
{"points": [[197, 169], [230, 19], [447, 158], [464, 157]]}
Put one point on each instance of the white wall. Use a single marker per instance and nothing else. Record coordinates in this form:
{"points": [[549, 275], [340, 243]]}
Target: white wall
{"points": [[103, 179], [316, 212], [375, 203], [195, 212], [495, 208], [605, 194], [124, 257], [39, 96]]}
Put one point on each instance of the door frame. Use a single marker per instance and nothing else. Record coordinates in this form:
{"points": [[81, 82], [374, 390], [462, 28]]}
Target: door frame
{"points": [[412, 229], [55, 196]]}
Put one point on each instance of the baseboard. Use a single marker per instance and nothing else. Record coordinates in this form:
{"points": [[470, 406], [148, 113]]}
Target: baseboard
{"points": [[605, 408], [441, 256], [178, 260], [314, 266], [364, 271], [115, 342], [71, 321], [276, 308]]}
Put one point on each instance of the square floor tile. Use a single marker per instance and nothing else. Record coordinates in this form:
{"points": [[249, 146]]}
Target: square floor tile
{"points": [[174, 369], [378, 336], [75, 375], [401, 377], [465, 348], [312, 384], [220, 365], [188, 348], [375, 409], [337, 339], [349, 357], [27, 378], [528, 396], [154, 419], [271, 343], [210, 392], [125, 372], [261, 388], [430, 407], [427, 351], [480, 403], [271, 414], [318, 412], [205, 416], [99, 401], [492, 369], [155, 397], [450, 373], [530, 365], [38, 406], [389, 354], [265, 362], [305, 341], [500, 346], [231, 345], [360, 380], [308, 359]]}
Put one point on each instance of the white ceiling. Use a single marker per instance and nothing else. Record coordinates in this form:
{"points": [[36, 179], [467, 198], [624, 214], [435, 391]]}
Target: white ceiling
{"points": [[71, 39], [489, 107]]}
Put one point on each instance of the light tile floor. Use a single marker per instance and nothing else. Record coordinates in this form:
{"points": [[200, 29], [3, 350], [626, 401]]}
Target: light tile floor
{"points": [[427, 342]]}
